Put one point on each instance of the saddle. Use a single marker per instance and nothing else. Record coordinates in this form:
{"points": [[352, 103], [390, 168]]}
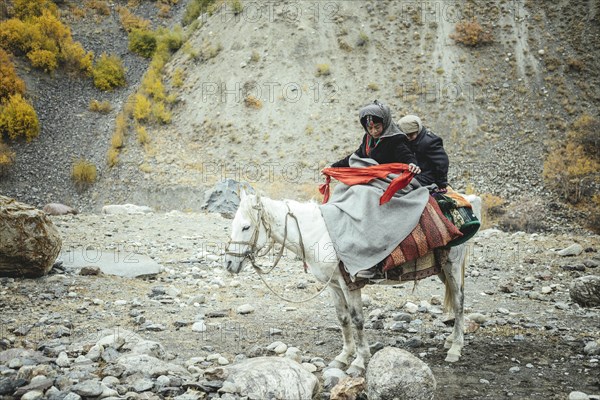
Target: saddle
{"points": [[422, 253]]}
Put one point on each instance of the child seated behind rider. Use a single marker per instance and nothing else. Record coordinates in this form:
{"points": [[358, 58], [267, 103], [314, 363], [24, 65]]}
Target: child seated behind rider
{"points": [[383, 141], [428, 149]]}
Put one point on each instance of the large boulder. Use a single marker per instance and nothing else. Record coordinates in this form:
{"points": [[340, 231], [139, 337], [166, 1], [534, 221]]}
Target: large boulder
{"points": [[277, 378], [396, 374], [29, 241], [585, 291], [224, 197]]}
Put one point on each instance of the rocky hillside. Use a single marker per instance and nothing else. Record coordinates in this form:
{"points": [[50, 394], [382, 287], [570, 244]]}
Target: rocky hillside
{"points": [[270, 95]]}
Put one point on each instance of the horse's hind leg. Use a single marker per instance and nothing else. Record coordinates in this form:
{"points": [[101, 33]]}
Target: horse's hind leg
{"points": [[453, 271], [343, 314]]}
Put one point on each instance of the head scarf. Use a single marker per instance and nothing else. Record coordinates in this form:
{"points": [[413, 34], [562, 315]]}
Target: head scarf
{"points": [[382, 111]]}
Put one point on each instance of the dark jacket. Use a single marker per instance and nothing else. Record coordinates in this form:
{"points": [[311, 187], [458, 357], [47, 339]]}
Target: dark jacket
{"points": [[389, 150], [431, 158]]}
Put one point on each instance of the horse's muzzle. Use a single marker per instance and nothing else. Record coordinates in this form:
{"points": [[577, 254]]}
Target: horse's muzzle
{"points": [[232, 264]]}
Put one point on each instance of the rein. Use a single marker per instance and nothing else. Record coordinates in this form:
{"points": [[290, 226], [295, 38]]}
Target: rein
{"points": [[252, 252]]}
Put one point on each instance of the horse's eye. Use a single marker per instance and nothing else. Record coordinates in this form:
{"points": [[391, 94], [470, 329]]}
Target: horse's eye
{"points": [[245, 228]]}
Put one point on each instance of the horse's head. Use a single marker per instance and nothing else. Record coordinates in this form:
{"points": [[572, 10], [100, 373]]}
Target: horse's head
{"points": [[248, 233]]}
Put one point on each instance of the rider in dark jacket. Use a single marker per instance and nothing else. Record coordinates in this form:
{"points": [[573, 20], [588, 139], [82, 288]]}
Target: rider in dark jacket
{"points": [[429, 151]]}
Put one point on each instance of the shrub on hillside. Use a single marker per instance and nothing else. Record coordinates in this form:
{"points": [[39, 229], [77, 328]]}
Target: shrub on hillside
{"points": [[142, 135], [471, 33], [253, 102], [108, 72], [195, 8], [10, 83], [46, 41], [7, 156], [100, 106], [172, 39], [586, 132], [112, 157], [323, 70], [131, 21], [572, 169], [142, 107], [43, 59], [84, 172], [18, 37], [75, 57], [152, 85], [24, 9], [161, 113], [100, 6], [142, 42], [18, 118]]}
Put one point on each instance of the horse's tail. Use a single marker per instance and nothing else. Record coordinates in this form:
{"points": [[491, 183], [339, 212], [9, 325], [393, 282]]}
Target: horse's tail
{"points": [[449, 289]]}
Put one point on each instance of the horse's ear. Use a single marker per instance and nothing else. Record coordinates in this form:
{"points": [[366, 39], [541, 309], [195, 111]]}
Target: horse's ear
{"points": [[243, 194]]}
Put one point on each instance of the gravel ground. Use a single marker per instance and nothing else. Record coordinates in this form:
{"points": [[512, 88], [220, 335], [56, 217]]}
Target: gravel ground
{"points": [[526, 338]]}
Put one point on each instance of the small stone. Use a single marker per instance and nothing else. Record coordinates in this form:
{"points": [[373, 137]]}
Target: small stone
{"points": [[477, 318], [15, 363], [309, 367], [294, 353], [95, 353], [142, 385], [199, 326], [546, 290], [245, 309], [411, 307], [63, 360], [32, 395], [573, 250], [514, 370], [592, 348], [222, 361], [578, 396], [88, 389]]}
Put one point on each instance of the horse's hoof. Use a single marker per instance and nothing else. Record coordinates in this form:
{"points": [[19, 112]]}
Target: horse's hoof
{"points": [[451, 357], [355, 371], [337, 364]]}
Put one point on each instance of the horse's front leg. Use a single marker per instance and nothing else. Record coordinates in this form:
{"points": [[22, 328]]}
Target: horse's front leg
{"points": [[343, 315], [354, 302], [453, 270]]}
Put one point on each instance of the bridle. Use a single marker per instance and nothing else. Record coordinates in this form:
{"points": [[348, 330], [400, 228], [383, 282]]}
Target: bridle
{"points": [[252, 251]]}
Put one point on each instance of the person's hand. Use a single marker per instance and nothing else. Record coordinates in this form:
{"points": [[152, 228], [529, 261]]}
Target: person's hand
{"points": [[441, 190], [414, 169]]}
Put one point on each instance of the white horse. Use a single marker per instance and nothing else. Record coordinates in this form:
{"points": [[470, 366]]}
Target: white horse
{"points": [[300, 228]]}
